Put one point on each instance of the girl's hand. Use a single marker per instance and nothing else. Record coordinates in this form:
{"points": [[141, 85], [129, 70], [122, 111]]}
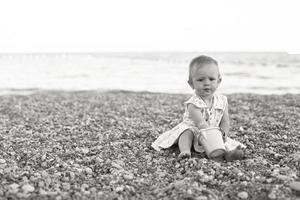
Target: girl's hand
{"points": [[202, 125], [224, 135], [197, 116]]}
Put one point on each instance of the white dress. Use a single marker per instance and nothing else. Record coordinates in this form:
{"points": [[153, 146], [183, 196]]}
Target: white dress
{"points": [[211, 115]]}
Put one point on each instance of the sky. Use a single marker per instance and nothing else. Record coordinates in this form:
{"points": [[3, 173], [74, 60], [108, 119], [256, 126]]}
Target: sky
{"points": [[149, 25]]}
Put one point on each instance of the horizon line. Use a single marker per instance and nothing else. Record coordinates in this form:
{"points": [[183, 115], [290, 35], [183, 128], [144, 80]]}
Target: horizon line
{"points": [[101, 52]]}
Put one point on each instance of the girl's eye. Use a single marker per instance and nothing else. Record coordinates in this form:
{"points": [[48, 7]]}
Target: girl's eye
{"points": [[200, 79], [212, 79]]}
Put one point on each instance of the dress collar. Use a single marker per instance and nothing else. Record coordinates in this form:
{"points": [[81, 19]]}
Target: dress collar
{"points": [[216, 104]]}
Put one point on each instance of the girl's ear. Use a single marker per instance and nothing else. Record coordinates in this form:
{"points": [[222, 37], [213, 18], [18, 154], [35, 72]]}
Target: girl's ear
{"points": [[220, 79]]}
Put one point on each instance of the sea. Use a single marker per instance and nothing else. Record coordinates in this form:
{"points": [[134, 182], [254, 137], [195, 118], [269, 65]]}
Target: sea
{"points": [[166, 72]]}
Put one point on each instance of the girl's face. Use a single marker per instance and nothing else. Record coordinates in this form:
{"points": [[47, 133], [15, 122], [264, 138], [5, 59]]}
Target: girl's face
{"points": [[205, 79]]}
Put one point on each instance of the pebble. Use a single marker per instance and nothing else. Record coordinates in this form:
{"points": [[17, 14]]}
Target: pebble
{"points": [[89, 170], [116, 165], [41, 184], [13, 188], [99, 160], [84, 186], [66, 186], [240, 174], [42, 192], [119, 188], [243, 195], [130, 189], [282, 177], [244, 183], [43, 158], [27, 188], [161, 173], [249, 162], [85, 150], [284, 137], [272, 195], [44, 164], [201, 198], [269, 180], [148, 157], [2, 161], [93, 190], [128, 176], [295, 185]]}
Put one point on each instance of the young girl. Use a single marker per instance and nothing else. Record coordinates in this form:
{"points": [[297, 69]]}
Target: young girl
{"points": [[203, 110]]}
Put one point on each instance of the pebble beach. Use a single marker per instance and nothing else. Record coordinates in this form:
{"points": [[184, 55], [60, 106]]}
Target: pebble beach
{"points": [[97, 145]]}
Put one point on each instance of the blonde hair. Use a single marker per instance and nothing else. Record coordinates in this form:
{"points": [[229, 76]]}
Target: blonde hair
{"points": [[198, 61]]}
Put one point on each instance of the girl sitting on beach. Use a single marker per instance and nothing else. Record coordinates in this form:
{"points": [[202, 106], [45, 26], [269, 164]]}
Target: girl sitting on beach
{"points": [[203, 110]]}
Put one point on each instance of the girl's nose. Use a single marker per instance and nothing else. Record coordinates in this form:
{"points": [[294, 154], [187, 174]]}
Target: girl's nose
{"points": [[206, 82]]}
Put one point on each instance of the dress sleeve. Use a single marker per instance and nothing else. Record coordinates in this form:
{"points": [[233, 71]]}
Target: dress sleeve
{"points": [[225, 102], [221, 102]]}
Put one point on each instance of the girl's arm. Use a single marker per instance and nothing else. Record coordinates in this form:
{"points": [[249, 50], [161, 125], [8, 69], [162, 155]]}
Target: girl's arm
{"points": [[197, 116], [224, 124]]}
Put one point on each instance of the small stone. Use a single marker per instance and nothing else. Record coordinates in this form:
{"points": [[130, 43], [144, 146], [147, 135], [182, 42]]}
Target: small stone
{"points": [[243, 195], [201, 198], [99, 160], [44, 164], [89, 171], [249, 162], [43, 158], [41, 184], [14, 188], [84, 186], [284, 137], [148, 157], [282, 177], [295, 185], [93, 190], [44, 174], [48, 180], [2, 161], [240, 174], [43, 192], [116, 165], [85, 150], [272, 195], [119, 189], [130, 189], [244, 183], [269, 180], [77, 149], [66, 186], [100, 193], [27, 188], [128, 176]]}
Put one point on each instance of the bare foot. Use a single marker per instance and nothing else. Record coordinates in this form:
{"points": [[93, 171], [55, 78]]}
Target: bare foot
{"points": [[184, 154], [236, 154], [218, 159]]}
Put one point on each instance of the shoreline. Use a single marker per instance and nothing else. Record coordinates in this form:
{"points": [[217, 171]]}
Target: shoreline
{"points": [[24, 92]]}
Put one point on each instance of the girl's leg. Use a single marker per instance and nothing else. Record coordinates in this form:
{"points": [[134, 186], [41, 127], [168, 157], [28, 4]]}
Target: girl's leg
{"points": [[185, 144]]}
